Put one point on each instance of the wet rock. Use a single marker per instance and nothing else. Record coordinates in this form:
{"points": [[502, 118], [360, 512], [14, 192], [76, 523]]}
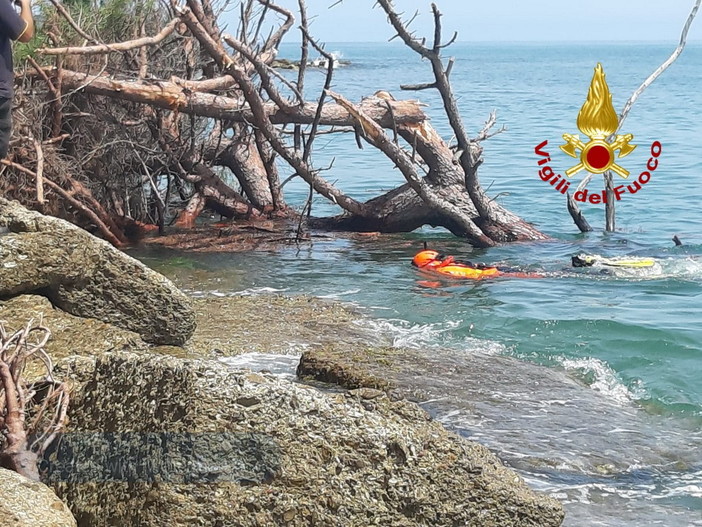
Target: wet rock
{"points": [[27, 503], [285, 64], [269, 324], [163, 441], [347, 367], [226, 326], [88, 277]]}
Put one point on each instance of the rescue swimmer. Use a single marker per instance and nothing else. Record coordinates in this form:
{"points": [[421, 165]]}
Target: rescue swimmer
{"points": [[434, 262]]}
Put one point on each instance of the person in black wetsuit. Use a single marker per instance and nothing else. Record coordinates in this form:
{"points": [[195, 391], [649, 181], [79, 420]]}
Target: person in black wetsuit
{"points": [[13, 26]]}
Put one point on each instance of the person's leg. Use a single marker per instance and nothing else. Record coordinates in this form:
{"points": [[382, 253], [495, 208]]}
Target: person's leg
{"points": [[5, 125]]}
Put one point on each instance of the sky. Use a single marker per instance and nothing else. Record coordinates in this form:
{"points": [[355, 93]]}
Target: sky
{"points": [[509, 20]]}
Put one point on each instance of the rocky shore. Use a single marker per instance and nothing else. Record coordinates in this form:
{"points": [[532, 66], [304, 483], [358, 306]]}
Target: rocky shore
{"points": [[172, 435]]}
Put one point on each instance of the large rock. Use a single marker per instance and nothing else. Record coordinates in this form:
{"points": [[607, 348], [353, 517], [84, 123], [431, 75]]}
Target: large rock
{"points": [[163, 441], [88, 277], [26, 503]]}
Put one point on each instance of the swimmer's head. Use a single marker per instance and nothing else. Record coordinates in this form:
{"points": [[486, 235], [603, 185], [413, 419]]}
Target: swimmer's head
{"points": [[582, 260]]}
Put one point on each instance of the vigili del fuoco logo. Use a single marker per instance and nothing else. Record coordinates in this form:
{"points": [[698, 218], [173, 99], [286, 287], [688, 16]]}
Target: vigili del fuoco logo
{"points": [[599, 122]]}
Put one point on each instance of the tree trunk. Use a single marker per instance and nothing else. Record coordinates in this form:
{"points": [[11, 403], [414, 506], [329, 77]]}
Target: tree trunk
{"points": [[218, 194], [188, 216], [244, 160], [403, 210], [171, 96]]}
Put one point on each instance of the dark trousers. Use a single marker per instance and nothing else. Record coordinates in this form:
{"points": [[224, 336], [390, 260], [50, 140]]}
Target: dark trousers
{"points": [[5, 125]]}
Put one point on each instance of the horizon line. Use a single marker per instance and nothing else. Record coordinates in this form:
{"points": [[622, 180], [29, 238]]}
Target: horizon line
{"points": [[601, 42]]}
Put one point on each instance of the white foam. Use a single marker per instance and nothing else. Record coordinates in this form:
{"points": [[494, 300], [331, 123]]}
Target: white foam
{"points": [[280, 365], [685, 268], [402, 334], [333, 296], [254, 291], [605, 380]]}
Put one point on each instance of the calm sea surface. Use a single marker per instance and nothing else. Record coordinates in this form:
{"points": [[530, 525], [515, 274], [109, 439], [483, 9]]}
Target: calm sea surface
{"points": [[590, 385]]}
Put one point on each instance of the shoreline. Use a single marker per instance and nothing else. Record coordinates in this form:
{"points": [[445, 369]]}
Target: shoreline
{"points": [[300, 324]]}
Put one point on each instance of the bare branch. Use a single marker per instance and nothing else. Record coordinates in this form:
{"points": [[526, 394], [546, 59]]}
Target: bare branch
{"points": [[485, 133], [451, 62], [208, 85], [164, 94], [676, 53], [453, 39], [437, 28], [401, 30], [104, 229], [295, 89], [322, 96], [197, 8], [293, 158], [72, 22], [40, 172], [263, 71], [577, 215], [394, 124], [274, 40], [118, 46], [213, 47], [374, 134], [304, 49], [16, 399]]}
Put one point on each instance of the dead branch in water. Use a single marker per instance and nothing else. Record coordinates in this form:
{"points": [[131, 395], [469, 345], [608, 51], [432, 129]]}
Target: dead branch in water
{"points": [[610, 206]]}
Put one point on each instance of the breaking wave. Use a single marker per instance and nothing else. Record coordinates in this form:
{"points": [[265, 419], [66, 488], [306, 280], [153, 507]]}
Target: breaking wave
{"points": [[601, 378], [402, 334]]}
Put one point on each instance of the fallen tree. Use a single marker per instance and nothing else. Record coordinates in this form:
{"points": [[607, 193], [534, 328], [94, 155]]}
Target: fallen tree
{"points": [[140, 129]]}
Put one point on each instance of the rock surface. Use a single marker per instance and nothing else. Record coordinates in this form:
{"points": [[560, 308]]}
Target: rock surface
{"points": [[226, 326], [88, 277], [26, 503], [349, 368], [164, 441]]}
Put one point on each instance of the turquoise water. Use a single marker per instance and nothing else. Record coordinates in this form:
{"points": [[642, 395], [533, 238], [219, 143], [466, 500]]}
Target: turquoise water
{"points": [[589, 384]]}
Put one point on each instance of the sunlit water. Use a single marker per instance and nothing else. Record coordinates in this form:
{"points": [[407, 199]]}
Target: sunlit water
{"points": [[587, 383]]}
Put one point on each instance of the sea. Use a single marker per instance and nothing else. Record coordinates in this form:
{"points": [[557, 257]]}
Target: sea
{"points": [[587, 382]]}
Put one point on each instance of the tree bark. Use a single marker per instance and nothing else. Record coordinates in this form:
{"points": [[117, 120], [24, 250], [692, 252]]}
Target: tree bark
{"points": [[244, 160], [218, 194], [187, 217], [404, 209], [16, 454], [171, 96]]}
